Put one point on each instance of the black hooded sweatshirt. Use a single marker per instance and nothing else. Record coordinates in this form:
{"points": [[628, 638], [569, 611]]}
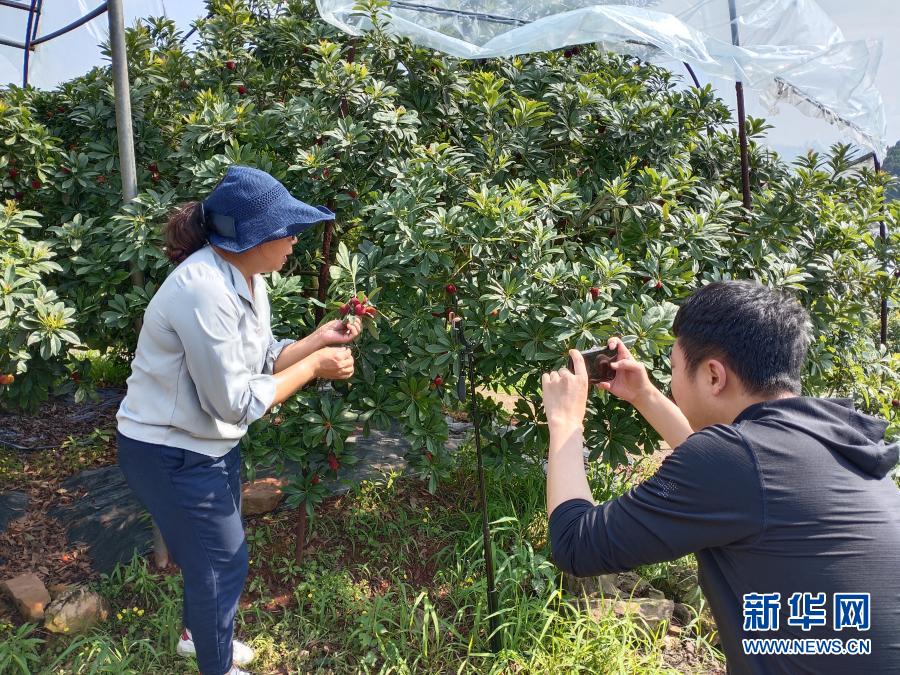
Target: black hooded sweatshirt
{"points": [[794, 496]]}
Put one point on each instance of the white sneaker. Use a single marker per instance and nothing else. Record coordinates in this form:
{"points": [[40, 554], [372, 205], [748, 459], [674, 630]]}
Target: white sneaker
{"points": [[241, 654]]}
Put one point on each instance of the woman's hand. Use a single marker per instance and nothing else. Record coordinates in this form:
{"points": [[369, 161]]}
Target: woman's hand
{"points": [[333, 363], [631, 382], [337, 333]]}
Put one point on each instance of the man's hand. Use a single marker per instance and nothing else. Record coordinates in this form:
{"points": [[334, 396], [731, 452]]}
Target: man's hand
{"points": [[336, 333], [565, 394], [631, 382]]}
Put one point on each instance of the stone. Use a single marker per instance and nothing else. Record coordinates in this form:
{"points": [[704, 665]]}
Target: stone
{"points": [[75, 612], [631, 584], [655, 593], [57, 590], [683, 613], [649, 611], [686, 588], [29, 595], [593, 587], [12, 506], [261, 496]]}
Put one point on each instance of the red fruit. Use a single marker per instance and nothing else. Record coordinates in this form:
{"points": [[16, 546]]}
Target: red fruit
{"points": [[325, 173], [9, 379], [345, 309], [66, 170], [75, 377], [155, 178], [230, 65], [153, 168], [451, 289], [429, 456], [101, 179], [242, 90], [595, 292], [333, 462], [13, 173], [438, 381], [895, 403], [659, 284], [495, 313], [352, 194], [36, 184], [370, 311], [315, 479], [359, 310]]}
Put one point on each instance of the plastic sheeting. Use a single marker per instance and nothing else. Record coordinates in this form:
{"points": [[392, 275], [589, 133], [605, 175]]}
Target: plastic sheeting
{"points": [[785, 50], [76, 52]]}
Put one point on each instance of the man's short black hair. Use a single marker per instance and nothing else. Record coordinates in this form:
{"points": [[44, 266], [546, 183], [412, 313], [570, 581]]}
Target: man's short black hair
{"points": [[760, 333]]}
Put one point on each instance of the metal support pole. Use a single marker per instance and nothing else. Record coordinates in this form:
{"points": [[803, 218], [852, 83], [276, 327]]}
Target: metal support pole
{"points": [[742, 117], [29, 31], [882, 232], [467, 370], [128, 171]]}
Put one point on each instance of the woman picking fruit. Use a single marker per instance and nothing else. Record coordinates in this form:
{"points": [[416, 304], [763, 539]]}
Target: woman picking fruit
{"points": [[206, 366]]}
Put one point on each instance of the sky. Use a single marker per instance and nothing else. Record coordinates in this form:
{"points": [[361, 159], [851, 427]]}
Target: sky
{"points": [[792, 134]]}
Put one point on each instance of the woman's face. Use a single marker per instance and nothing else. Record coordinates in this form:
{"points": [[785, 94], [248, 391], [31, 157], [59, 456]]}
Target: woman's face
{"points": [[274, 254]]}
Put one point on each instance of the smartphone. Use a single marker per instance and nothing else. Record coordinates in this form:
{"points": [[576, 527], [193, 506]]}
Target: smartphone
{"points": [[597, 362]]}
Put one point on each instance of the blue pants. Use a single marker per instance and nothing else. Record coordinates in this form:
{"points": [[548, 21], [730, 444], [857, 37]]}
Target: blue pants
{"points": [[196, 502]]}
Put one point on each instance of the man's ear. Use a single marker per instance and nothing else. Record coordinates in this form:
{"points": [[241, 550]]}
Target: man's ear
{"points": [[717, 375]]}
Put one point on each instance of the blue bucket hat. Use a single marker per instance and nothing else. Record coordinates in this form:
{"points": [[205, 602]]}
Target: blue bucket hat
{"points": [[249, 207]]}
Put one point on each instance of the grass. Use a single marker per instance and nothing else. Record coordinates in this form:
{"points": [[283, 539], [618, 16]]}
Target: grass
{"points": [[393, 582]]}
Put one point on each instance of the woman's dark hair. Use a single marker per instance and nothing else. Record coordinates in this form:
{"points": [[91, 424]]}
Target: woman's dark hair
{"points": [[760, 333], [185, 232]]}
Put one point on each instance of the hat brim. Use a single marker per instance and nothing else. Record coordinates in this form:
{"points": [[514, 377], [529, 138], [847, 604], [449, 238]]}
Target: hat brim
{"points": [[286, 217]]}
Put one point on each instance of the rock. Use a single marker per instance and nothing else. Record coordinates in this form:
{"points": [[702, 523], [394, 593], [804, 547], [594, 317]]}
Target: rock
{"points": [[683, 613], [29, 594], [57, 590], [593, 587], [75, 612], [108, 518], [685, 588], [650, 611], [261, 496], [12, 505], [655, 593], [631, 584]]}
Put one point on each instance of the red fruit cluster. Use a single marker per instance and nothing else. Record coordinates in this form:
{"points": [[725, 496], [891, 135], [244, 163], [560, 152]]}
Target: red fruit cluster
{"points": [[154, 172], [7, 379], [451, 289], [242, 90], [437, 381], [230, 65], [13, 173], [894, 403], [595, 292], [358, 308], [333, 462], [36, 184]]}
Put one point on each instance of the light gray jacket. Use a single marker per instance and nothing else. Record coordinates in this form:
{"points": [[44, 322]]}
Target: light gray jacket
{"points": [[205, 356]]}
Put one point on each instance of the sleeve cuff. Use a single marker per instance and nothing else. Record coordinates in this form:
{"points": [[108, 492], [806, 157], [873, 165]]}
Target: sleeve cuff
{"points": [[262, 394], [273, 352]]}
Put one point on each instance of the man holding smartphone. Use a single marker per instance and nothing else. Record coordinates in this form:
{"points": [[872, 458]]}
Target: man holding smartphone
{"points": [[785, 499]]}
